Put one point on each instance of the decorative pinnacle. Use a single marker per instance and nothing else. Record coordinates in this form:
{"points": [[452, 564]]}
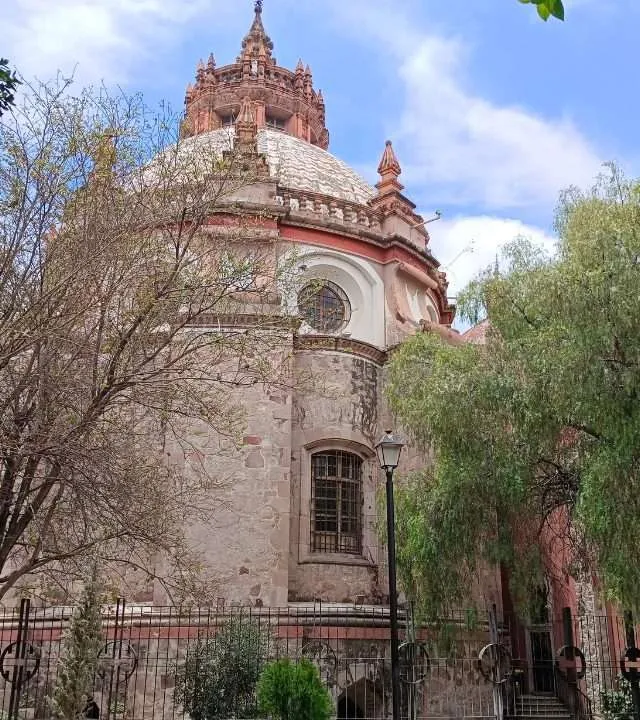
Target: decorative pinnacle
{"points": [[258, 6], [389, 165], [245, 116]]}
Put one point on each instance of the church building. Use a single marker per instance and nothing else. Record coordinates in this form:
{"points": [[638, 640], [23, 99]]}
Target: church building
{"points": [[298, 522]]}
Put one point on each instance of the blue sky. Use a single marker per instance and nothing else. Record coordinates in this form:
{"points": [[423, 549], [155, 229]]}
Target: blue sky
{"points": [[492, 112]]}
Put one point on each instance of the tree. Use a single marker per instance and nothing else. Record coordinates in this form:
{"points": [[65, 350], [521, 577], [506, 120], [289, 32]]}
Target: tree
{"points": [[128, 316], [293, 691], [218, 679], [547, 8], [535, 434], [8, 84], [79, 658]]}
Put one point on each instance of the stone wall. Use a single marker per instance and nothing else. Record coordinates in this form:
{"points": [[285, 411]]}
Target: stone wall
{"points": [[244, 541], [340, 412]]}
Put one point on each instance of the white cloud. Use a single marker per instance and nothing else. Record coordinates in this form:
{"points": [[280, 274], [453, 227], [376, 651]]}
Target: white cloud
{"points": [[105, 39], [468, 150], [456, 147], [466, 245]]}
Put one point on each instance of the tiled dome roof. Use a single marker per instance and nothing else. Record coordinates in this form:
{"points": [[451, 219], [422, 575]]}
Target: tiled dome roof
{"points": [[294, 163]]}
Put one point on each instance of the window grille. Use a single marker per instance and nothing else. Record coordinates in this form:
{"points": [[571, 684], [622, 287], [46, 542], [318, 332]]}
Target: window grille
{"points": [[336, 503], [324, 306]]}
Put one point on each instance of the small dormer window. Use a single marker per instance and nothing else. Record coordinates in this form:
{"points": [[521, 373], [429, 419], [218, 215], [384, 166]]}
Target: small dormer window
{"points": [[275, 122]]}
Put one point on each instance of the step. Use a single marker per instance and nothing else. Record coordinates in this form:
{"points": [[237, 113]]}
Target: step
{"points": [[539, 716], [540, 702], [541, 710]]}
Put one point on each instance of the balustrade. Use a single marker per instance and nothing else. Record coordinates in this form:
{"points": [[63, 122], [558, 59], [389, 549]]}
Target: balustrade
{"points": [[328, 208]]}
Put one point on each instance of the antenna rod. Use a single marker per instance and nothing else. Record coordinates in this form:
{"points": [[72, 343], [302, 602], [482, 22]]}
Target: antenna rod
{"points": [[437, 216]]}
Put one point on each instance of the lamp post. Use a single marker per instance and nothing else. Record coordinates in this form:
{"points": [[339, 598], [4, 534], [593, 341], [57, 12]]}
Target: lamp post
{"points": [[388, 450]]}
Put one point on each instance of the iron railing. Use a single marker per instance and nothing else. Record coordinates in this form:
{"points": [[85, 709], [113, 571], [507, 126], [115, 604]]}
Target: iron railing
{"points": [[147, 650]]}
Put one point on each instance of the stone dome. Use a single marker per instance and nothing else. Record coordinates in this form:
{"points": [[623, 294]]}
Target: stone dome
{"points": [[293, 163]]}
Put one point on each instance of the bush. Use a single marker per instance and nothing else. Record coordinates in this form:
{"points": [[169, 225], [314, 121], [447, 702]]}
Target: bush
{"points": [[79, 658], [618, 704], [293, 691], [219, 675]]}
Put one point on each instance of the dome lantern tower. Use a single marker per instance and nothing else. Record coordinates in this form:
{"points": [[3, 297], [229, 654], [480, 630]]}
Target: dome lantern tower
{"points": [[282, 99]]}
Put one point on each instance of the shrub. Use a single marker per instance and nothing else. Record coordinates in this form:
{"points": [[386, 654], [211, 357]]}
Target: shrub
{"points": [[618, 704], [293, 691], [79, 659], [219, 675]]}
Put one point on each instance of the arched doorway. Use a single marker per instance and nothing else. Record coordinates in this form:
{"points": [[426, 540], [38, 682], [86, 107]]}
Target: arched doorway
{"points": [[360, 700], [348, 710]]}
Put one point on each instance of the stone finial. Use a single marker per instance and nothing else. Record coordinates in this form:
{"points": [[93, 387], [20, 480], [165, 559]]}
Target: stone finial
{"points": [[246, 127], [256, 42], [211, 63], [246, 152], [104, 156], [389, 168], [245, 116], [299, 68], [200, 71]]}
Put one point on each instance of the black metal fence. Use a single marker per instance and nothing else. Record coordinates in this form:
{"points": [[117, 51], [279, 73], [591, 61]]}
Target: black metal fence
{"points": [[149, 651], [157, 663]]}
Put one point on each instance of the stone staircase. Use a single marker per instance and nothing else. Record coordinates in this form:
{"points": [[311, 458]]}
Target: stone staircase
{"points": [[540, 707]]}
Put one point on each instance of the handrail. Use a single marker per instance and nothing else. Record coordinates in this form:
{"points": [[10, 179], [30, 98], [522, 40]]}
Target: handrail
{"points": [[571, 695]]}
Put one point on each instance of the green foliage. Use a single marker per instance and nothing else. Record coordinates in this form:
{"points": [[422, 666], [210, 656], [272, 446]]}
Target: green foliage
{"points": [[618, 704], [536, 434], [293, 691], [219, 676], [79, 658], [547, 8], [8, 85]]}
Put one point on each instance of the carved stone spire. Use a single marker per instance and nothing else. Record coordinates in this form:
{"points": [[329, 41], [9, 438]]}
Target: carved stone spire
{"points": [[246, 128], [389, 198], [389, 168], [245, 155], [256, 42]]}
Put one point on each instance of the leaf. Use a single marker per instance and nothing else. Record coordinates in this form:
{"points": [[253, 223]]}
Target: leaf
{"points": [[547, 8], [543, 11], [556, 8]]}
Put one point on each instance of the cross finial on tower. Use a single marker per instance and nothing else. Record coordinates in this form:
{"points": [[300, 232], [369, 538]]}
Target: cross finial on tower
{"points": [[256, 41]]}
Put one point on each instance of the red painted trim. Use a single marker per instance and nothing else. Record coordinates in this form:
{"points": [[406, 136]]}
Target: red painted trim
{"points": [[225, 220], [384, 256]]}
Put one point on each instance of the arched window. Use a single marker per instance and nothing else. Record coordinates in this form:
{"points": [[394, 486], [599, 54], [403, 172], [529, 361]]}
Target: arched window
{"points": [[336, 502], [324, 306]]}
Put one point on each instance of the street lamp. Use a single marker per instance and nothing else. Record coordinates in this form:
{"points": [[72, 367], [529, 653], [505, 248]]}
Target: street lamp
{"points": [[388, 449]]}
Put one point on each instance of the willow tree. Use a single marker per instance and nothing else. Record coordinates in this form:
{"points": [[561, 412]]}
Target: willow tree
{"points": [[535, 434], [123, 321]]}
